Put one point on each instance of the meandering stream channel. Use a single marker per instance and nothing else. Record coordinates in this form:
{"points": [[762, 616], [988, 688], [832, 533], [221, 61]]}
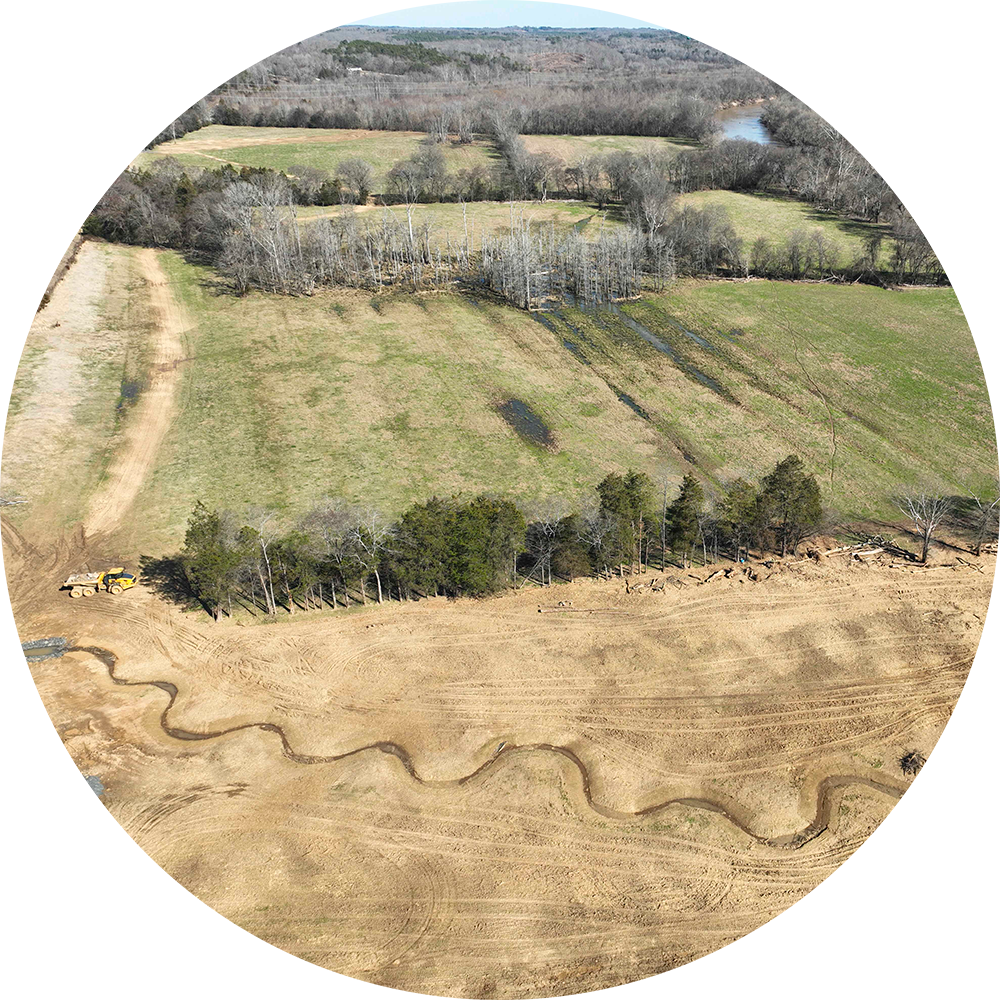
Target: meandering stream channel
{"points": [[820, 822]]}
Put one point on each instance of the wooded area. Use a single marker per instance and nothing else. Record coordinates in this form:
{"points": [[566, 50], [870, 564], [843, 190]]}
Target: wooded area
{"points": [[245, 223], [338, 555], [563, 81], [495, 87], [476, 547]]}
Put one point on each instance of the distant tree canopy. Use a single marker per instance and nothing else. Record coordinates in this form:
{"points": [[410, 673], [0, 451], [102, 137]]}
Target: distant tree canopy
{"points": [[502, 84], [480, 546], [593, 82], [412, 53]]}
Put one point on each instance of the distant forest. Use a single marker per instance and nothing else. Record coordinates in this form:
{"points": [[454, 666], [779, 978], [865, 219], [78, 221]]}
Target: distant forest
{"points": [[581, 82], [499, 86]]}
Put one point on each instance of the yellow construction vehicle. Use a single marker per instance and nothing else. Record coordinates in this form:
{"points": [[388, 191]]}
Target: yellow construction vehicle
{"points": [[112, 580]]}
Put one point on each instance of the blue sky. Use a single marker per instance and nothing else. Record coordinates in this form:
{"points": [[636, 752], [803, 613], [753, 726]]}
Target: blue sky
{"points": [[487, 14]]}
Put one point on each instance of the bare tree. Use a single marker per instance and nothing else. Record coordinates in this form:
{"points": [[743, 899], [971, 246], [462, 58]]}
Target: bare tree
{"points": [[358, 176], [987, 511], [650, 197], [264, 525], [597, 529], [370, 537], [261, 240], [926, 510], [544, 523], [330, 524]]}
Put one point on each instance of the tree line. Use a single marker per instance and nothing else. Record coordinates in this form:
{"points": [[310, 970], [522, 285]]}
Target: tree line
{"points": [[820, 168], [244, 223], [337, 555]]}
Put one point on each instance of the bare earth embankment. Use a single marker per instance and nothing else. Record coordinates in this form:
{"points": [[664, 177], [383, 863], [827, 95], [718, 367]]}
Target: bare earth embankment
{"points": [[474, 799]]}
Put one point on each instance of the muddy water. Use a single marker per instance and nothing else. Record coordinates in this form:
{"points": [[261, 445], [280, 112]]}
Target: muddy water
{"points": [[744, 123], [528, 424], [690, 334], [44, 649], [624, 397]]}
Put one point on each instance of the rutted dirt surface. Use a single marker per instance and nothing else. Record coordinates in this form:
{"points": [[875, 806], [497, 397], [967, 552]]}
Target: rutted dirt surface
{"points": [[474, 799], [151, 416], [818, 825]]}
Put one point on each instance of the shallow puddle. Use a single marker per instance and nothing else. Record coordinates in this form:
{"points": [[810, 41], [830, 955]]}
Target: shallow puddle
{"points": [[528, 424]]}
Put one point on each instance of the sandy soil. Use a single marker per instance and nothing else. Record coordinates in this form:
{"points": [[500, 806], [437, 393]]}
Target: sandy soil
{"points": [[366, 789], [150, 419]]}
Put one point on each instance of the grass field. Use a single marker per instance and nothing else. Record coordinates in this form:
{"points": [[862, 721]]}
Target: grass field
{"points": [[285, 148], [323, 149], [391, 399], [448, 220], [573, 148], [752, 216], [755, 215]]}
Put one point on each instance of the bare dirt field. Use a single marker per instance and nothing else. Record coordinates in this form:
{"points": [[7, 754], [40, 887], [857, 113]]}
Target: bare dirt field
{"points": [[478, 799], [55, 373]]}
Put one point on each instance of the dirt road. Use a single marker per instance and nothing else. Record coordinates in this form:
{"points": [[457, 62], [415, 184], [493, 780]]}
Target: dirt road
{"points": [[151, 416]]}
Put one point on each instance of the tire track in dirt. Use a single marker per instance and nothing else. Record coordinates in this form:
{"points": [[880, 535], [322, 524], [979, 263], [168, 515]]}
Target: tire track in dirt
{"points": [[824, 794], [151, 417]]}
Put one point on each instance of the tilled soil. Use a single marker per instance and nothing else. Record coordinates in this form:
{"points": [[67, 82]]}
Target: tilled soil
{"points": [[474, 799]]}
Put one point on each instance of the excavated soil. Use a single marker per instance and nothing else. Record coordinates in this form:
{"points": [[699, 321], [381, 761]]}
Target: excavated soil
{"points": [[477, 799]]}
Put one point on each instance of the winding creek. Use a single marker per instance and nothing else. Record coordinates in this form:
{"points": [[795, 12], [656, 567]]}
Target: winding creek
{"points": [[732, 812]]}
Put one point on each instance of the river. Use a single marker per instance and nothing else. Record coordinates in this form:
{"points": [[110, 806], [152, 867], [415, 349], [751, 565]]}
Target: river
{"points": [[744, 123]]}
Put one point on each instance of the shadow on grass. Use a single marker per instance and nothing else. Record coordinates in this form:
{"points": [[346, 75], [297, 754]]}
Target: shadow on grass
{"points": [[976, 526], [964, 524], [857, 228]]}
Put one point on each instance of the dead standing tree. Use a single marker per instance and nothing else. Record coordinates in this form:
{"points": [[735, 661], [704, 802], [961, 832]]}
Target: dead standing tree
{"points": [[926, 510], [329, 524], [987, 510], [544, 523], [597, 531], [263, 527], [370, 539]]}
